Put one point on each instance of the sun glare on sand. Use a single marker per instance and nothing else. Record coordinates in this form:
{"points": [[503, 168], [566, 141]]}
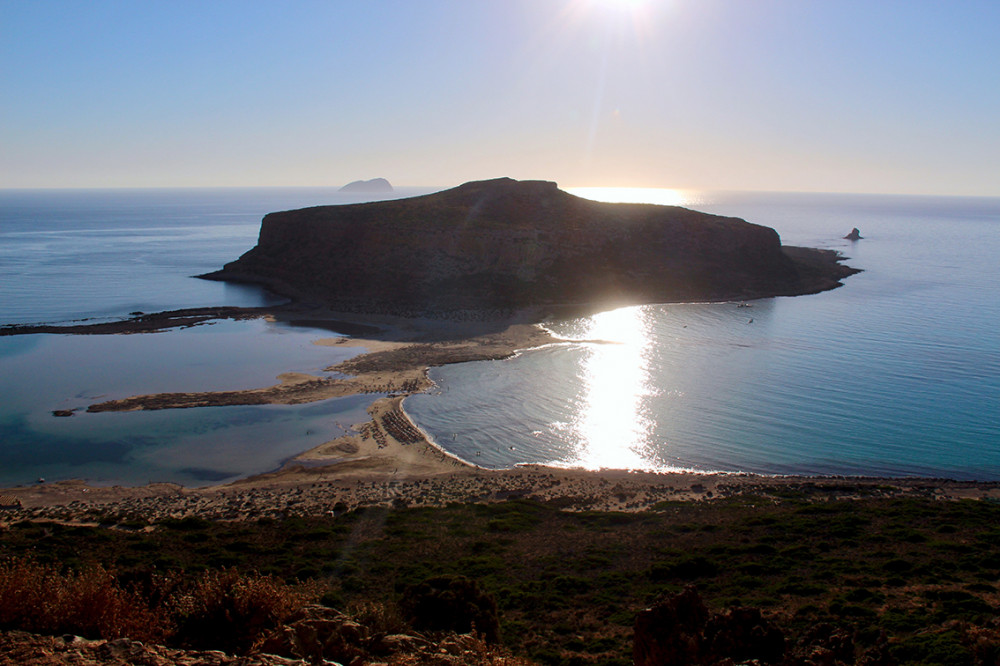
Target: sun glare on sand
{"points": [[651, 195]]}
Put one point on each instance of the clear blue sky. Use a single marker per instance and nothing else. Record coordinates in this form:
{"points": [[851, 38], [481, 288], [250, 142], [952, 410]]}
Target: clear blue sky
{"points": [[810, 95]]}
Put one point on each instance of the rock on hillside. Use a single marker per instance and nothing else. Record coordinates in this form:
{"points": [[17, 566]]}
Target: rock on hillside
{"points": [[506, 245]]}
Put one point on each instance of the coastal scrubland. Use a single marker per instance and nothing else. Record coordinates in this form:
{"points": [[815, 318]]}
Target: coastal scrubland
{"points": [[912, 580]]}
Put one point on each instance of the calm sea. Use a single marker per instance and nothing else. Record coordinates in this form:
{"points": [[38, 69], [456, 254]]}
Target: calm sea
{"points": [[98, 255], [897, 373]]}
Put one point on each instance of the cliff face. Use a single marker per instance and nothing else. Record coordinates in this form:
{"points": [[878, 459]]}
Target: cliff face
{"points": [[504, 244]]}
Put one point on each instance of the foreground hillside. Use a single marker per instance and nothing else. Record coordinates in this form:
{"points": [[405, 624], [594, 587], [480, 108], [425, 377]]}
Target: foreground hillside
{"points": [[504, 245], [874, 581]]}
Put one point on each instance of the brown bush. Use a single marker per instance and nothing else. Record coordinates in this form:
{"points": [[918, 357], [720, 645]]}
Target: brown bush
{"points": [[229, 611], [90, 602], [220, 610], [379, 618]]}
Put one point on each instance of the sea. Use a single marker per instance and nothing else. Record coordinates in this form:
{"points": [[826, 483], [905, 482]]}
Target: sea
{"points": [[897, 373]]}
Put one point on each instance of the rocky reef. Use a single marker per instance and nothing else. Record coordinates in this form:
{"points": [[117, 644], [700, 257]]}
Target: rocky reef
{"points": [[506, 245]]}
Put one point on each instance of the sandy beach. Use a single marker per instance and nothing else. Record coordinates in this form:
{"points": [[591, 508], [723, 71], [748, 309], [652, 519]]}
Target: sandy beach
{"points": [[389, 461]]}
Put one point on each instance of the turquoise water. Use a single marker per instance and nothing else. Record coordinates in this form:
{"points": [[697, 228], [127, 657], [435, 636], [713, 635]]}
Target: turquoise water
{"points": [[77, 254], [43, 373], [896, 373]]}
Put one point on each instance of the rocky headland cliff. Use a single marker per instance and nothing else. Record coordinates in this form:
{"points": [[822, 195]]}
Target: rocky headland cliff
{"points": [[508, 245]]}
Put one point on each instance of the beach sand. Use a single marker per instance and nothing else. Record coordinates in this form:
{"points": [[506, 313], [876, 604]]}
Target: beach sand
{"points": [[389, 461]]}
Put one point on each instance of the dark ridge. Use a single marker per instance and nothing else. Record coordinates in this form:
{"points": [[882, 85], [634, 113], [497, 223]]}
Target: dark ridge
{"points": [[506, 245]]}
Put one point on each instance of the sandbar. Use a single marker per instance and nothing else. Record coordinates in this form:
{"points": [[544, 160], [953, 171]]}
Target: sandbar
{"points": [[389, 461]]}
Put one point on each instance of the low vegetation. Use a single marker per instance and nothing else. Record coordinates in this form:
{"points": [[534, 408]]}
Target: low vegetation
{"points": [[566, 585]]}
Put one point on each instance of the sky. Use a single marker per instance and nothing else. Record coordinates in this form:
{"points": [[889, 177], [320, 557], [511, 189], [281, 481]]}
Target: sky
{"points": [[780, 95]]}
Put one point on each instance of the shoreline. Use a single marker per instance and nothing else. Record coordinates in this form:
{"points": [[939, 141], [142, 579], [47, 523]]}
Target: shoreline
{"points": [[300, 489]]}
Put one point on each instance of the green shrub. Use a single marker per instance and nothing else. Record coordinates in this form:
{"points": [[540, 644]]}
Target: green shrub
{"points": [[939, 649], [451, 603]]}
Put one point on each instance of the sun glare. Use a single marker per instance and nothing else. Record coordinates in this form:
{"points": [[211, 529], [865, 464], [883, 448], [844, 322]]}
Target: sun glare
{"points": [[650, 195], [612, 427], [621, 4]]}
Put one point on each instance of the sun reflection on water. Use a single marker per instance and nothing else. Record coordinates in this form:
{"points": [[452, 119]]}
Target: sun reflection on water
{"points": [[612, 426]]}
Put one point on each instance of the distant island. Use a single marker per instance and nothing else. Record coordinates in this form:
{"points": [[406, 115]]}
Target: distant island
{"points": [[375, 185], [507, 245]]}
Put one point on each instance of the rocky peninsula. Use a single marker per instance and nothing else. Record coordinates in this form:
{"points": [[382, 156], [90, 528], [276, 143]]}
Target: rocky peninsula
{"points": [[505, 246], [482, 263]]}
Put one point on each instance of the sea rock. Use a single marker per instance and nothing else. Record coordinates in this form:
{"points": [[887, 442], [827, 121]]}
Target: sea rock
{"points": [[504, 245], [854, 235], [375, 185]]}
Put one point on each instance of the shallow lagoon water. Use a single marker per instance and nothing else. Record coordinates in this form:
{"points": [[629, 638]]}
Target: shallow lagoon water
{"points": [[101, 254], [189, 446]]}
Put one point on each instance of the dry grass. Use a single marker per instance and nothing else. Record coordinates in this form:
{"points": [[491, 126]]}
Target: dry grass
{"points": [[91, 603], [221, 609], [230, 611]]}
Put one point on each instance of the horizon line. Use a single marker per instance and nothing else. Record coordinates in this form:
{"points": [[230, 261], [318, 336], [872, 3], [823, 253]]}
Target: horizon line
{"points": [[565, 188]]}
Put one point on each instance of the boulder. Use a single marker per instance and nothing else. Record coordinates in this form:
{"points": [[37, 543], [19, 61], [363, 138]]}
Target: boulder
{"points": [[678, 629], [317, 633], [854, 235]]}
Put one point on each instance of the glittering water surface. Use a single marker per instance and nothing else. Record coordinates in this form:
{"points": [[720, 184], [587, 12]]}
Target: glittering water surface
{"points": [[897, 373]]}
